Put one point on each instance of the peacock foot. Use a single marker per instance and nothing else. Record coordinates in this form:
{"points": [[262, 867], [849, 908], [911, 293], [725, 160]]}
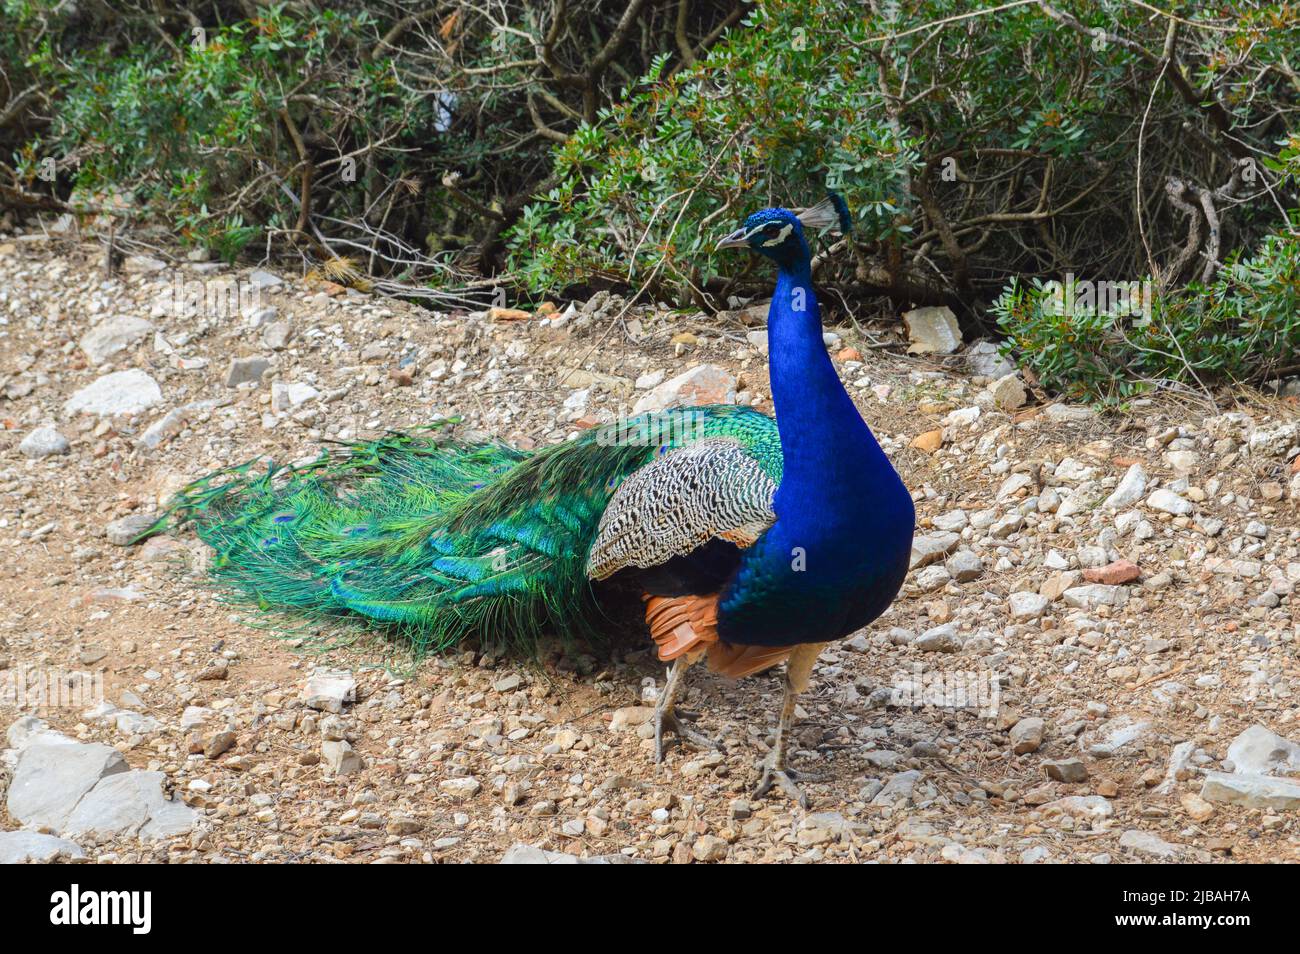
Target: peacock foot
{"points": [[671, 721], [775, 772]]}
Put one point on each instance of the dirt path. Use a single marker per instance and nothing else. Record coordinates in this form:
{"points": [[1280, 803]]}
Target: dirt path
{"points": [[462, 757]]}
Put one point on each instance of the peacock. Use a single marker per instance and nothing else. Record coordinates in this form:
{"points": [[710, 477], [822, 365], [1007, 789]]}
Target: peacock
{"points": [[743, 540]]}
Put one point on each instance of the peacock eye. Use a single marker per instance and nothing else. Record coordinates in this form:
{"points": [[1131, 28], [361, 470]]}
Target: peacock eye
{"points": [[772, 231]]}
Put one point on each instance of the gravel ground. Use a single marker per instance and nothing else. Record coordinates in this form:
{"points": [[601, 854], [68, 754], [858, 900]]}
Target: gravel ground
{"points": [[1094, 659]]}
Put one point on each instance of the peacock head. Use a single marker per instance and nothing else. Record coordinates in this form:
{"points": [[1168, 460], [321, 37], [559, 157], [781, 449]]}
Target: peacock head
{"points": [[778, 233]]}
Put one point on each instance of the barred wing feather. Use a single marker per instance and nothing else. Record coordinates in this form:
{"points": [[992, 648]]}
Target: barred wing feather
{"points": [[678, 502]]}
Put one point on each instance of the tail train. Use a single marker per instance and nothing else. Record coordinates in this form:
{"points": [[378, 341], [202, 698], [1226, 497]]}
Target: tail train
{"points": [[437, 539]]}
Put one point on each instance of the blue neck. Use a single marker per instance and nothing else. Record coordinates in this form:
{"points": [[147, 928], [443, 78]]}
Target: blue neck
{"points": [[838, 551], [832, 460]]}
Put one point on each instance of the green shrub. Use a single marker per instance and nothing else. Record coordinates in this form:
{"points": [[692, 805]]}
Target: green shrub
{"points": [[1022, 128], [445, 110], [1244, 327]]}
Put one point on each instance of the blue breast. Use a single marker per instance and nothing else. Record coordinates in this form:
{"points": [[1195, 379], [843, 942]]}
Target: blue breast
{"points": [[813, 581], [838, 552]]}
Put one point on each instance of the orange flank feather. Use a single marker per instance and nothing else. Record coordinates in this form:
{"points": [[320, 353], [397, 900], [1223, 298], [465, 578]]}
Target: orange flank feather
{"points": [[688, 625]]}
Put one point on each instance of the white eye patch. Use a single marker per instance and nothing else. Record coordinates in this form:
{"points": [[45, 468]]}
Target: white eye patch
{"points": [[784, 234]]}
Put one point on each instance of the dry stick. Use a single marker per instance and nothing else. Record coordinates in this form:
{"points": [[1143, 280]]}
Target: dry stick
{"points": [[374, 245], [946, 20], [1206, 102], [1137, 190], [304, 199], [450, 182], [712, 37], [679, 33], [543, 130], [1137, 179], [383, 286], [1200, 25], [1212, 242], [16, 104], [654, 273], [1175, 188], [394, 33]]}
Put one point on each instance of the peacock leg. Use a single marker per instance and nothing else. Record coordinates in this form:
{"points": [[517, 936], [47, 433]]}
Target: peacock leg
{"points": [[798, 670], [666, 718]]}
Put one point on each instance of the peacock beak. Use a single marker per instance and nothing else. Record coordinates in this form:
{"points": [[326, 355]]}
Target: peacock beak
{"points": [[736, 239]]}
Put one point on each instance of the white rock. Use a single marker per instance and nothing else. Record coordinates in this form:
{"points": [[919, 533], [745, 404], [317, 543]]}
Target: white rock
{"points": [[964, 566], [122, 392], [194, 716], [125, 531], [1006, 526], [51, 779], [1179, 757], [29, 730], [1274, 440], [1073, 471], [135, 723], [952, 521], [1229, 567], [521, 854], [1149, 844], [930, 547], [1130, 489], [460, 788], [1027, 605], [130, 804], [1008, 392], [1258, 751], [932, 578], [575, 405], [29, 847], [1068, 413], [287, 395], [328, 689], [1013, 485], [939, 639], [630, 717], [1091, 595], [1086, 806], [962, 417], [984, 359], [43, 442], [703, 384], [1105, 740], [1166, 501], [142, 264], [1081, 499], [898, 789], [932, 330], [1252, 791], [1091, 557], [109, 337], [246, 370], [172, 422], [339, 758], [259, 279]]}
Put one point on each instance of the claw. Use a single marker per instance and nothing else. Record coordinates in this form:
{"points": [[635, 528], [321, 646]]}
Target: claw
{"points": [[667, 721], [784, 779]]}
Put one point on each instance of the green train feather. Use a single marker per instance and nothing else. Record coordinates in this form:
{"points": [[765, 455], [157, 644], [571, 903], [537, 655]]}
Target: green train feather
{"points": [[437, 539]]}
